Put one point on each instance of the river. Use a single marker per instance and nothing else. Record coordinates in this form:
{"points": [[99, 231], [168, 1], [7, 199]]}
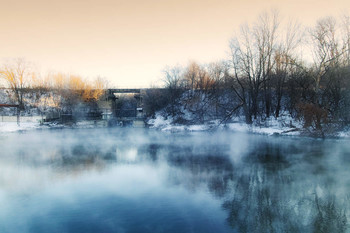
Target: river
{"points": [[139, 180]]}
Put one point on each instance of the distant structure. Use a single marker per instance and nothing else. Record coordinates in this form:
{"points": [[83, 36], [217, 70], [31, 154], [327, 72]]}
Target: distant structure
{"points": [[125, 106], [121, 107], [12, 106]]}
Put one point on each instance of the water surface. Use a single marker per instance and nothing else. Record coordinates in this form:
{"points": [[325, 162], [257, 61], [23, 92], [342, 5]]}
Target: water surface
{"points": [[127, 180]]}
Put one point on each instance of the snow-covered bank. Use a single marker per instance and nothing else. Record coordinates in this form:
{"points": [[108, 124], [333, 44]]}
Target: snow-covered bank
{"points": [[7, 127], [285, 125], [269, 127], [282, 126]]}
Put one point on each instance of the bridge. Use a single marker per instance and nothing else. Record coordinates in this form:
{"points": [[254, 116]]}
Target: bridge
{"points": [[125, 106], [112, 92]]}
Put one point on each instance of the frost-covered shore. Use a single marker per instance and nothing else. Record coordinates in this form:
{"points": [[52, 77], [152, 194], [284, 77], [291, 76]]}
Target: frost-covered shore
{"points": [[10, 127], [271, 127], [283, 126]]}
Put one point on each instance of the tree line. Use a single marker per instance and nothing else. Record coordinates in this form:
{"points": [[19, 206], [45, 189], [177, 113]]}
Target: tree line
{"points": [[274, 68], [57, 92]]}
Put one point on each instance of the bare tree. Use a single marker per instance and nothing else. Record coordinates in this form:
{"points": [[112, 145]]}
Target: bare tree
{"points": [[252, 62], [173, 79], [17, 77], [345, 26], [331, 43], [266, 38], [217, 72], [326, 49], [200, 91], [285, 61]]}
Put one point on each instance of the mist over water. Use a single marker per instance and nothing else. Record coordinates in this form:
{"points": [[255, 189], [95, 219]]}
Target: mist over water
{"points": [[128, 180]]}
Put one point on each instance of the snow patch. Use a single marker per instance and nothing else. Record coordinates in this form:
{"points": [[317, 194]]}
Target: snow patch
{"points": [[283, 125], [159, 122], [344, 134], [6, 127]]}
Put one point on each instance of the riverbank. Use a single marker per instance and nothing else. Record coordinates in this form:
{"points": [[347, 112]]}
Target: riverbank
{"points": [[284, 126], [9, 127]]}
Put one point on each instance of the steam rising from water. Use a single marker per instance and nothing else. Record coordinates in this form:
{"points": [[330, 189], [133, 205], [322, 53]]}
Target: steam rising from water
{"points": [[145, 181]]}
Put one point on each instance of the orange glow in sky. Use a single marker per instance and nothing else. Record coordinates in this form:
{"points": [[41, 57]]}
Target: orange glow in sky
{"points": [[130, 42]]}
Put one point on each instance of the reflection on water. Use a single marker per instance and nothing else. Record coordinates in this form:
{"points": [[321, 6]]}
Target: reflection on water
{"points": [[147, 181]]}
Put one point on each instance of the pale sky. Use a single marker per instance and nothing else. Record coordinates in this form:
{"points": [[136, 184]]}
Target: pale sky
{"points": [[130, 42]]}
